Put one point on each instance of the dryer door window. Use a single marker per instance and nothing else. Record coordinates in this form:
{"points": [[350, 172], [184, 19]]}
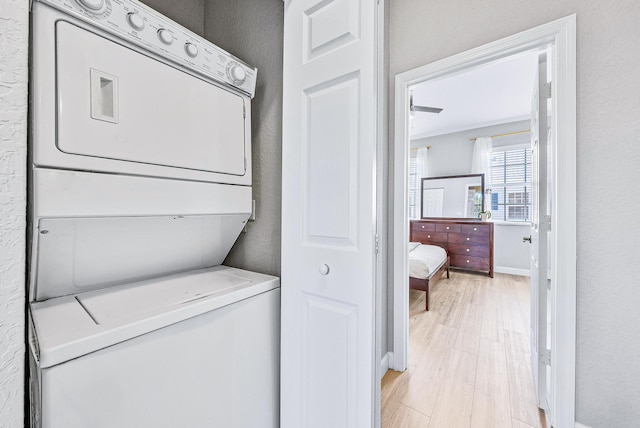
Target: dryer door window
{"points": [[115, 103]]}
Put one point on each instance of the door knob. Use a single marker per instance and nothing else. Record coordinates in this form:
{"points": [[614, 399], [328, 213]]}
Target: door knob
{"points": [[526, 239], [324, 269]]}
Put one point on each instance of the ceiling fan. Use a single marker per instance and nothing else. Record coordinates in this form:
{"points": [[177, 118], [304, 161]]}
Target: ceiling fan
{"points": [[422, 109]]}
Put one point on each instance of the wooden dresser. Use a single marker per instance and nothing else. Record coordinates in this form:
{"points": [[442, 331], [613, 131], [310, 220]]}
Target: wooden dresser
{"points": [[469, 243]]}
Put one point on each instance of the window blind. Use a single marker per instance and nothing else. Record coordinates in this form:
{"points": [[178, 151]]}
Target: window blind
{"points": [[511, 184]]}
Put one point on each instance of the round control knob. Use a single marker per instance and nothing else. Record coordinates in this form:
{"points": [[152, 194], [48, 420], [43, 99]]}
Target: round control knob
{"points": [[135, 21], [237, 73], [165, 36], [191, 49], [92, 4], [324, 269]]}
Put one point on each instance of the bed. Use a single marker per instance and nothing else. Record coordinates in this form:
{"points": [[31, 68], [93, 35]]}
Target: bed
{"points": [[427, 263]]}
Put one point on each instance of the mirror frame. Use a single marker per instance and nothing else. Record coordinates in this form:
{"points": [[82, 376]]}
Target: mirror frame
{"points": [[444, 177]]}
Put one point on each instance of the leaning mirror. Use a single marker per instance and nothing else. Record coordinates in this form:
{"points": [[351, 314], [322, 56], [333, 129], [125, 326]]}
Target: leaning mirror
{"points": [[455, 196]]}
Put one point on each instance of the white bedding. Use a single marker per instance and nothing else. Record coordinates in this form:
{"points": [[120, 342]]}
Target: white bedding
{"points": [[425, 259]]}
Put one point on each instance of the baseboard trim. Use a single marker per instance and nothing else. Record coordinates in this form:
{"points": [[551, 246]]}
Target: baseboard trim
{"points": [[512, 271], [579, 425], [386, 363]]}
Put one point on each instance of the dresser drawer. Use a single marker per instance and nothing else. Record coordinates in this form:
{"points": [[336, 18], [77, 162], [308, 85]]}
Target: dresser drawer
{"points": [[469, 250], [447, 228], [482, 229], [475, 263], [425, 227], [429, 237], [468, 238]]}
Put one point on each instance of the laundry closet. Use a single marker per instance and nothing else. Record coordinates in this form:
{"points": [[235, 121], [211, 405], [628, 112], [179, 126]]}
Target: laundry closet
{"points": [[140, 183]]}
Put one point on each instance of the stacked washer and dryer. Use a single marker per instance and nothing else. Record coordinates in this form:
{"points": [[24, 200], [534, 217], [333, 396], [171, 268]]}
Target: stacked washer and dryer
{"points": [[140, 183]]}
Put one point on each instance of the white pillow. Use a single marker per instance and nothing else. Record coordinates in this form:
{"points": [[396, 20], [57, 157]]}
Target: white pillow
{"points": [[413, 246]]}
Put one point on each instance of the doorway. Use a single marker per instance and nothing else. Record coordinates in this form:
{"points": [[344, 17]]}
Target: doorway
{"points": [[560, 36]]}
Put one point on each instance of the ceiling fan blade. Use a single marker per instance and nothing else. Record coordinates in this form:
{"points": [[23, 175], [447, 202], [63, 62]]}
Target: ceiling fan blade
{"points": [[425, 109]]}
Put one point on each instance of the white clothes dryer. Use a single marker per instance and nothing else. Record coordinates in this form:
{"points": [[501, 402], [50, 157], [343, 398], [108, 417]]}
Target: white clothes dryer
{"points": [[128, 126]]}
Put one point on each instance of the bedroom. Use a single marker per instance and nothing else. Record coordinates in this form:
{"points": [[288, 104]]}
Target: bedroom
{"points": [[493, 102], [487, 300]]}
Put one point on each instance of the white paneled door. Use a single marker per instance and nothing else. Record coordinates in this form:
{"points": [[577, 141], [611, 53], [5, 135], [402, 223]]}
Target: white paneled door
{"points": [[328, 214]]}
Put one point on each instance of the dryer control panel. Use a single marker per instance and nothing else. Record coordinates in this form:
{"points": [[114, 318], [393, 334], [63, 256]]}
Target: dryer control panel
{"points": [[144, 27]]}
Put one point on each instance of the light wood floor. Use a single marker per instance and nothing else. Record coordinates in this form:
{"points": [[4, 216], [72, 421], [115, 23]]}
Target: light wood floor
{"points": [[469, 363]]}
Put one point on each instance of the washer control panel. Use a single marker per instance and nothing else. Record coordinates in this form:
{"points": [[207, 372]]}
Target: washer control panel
{"points": [[142, 26]]}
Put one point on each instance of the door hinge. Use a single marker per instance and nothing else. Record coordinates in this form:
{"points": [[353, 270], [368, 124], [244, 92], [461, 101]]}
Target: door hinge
{"points": [[545, 357], [545, 223], [377, 244], [547, 90]]}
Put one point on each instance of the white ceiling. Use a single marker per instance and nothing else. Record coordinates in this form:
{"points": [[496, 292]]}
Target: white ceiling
{"points": [[495, 93]]}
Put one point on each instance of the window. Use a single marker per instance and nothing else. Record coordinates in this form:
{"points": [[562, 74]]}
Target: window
{"points": [[414, 188], [511, 183]]}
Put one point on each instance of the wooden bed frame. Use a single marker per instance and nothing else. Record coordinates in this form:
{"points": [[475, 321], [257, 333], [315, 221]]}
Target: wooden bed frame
{"points": [[427, 283]]}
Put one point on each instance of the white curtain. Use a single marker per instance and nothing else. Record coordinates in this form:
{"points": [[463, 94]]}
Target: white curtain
{"points": [[422, 155], [422, 166], [480, 161]]}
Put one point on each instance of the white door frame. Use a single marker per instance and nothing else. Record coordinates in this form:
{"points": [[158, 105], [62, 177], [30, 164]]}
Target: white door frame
{"points": [[562, 34]]}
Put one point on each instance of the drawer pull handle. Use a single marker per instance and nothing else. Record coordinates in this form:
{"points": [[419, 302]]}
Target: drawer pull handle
{"points": [[422, 227], [475, 228], [428, 236], [447, 227], [467, 250], [467, 261], [468, 239]]}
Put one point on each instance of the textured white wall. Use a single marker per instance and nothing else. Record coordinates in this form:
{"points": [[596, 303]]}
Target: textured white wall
{"points": [[608, 343], [252, 30], [14, 37]]}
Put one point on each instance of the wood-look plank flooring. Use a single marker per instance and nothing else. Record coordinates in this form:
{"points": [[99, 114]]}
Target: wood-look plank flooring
{"points": [[469, 364]]}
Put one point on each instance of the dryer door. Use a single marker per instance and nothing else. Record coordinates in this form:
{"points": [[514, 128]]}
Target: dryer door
{"points": [[121, 111]]}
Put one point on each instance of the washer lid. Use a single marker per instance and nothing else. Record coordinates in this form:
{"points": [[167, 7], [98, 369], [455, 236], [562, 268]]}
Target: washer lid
{"points": [[69, 327], [135, 301]]}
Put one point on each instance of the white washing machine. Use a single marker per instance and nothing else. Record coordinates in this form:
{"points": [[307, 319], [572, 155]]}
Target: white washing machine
{"points": [[140, 183]]}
